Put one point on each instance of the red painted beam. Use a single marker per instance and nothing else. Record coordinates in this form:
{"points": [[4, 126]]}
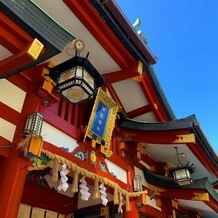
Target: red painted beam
{"points": [[45, 197], [60, 123], [20, 81], [69, 156], [11, 35], [5, 151], [151, 211], [10, 114], [100, 30], [114, 95], [154, 137], [213, 204], [14, 29], [139, 111], [152, 98], [5, 147], [131, 71], [20, 59], [9, 41], [188, 195]]}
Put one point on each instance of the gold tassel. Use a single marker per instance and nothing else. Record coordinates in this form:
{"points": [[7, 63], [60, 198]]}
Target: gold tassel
{"points": [[128, 207], [96, 194], [54, 177], [75, 182], [116, 198]]}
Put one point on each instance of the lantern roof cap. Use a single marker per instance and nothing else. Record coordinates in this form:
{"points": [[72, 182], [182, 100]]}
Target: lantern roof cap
{"points": [[76, 61]]}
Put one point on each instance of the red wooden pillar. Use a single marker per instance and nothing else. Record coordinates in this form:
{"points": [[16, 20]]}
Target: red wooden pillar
{"points": [[13, 172], [13, 169], [134, 210], [168, 209]]}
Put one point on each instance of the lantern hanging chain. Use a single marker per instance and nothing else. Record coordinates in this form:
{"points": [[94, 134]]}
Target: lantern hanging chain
{"points": [[178, 156]]}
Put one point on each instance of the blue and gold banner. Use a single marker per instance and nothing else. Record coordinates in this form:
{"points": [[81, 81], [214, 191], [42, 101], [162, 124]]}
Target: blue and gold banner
{"points": [[102, 121]]}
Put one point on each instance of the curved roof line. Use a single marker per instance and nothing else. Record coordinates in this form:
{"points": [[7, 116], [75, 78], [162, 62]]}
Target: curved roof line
{"points": [[185, 123], [167, 182], [188, 123]]}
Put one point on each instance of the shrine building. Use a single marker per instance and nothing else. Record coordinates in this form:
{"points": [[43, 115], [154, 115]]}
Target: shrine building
{"points": [[85, 128]]}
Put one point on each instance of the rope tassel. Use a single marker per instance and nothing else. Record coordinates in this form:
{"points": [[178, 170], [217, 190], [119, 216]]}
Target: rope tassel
{"points": [[96, 194], [75, 181], [54, 177], [128, 207], [116, 197]]}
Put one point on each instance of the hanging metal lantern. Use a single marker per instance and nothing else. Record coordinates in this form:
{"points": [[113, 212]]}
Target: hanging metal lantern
{"points": [[76, 79], [34, 124], [182, 175], [137, 183]]}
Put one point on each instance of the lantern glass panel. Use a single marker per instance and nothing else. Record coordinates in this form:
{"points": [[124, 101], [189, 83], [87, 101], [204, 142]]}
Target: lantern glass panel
{"points": [[79, 72], [89, 79], [182, 176], [66, 75]]}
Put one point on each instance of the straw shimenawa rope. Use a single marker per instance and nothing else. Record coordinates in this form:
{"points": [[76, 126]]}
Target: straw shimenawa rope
{"points": [[57, 159], [79, 170]]}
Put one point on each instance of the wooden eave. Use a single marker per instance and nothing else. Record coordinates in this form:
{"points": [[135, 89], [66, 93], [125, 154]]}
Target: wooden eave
{"points": [[111, 8], [198, 190], [106, 30], [171, 132], [32, 20]]}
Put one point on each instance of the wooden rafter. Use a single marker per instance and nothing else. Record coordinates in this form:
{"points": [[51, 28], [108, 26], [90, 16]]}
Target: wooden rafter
{"points": [[11, 35], [114, 95], [139, 111], [152, 98], [28, 54], [131, 71]]}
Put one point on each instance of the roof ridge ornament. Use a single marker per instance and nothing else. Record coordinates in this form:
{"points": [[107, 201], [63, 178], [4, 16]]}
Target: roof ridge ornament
{"points": [[135, 25]]}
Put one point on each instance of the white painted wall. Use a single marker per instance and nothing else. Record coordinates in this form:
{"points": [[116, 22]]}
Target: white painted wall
{"points": [[152, 203], [7, 129], [120, 173], [57, 138], [11, 95]]}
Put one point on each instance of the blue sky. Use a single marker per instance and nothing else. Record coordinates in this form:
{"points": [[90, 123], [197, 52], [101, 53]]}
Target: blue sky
{"points": [[183, 34]]}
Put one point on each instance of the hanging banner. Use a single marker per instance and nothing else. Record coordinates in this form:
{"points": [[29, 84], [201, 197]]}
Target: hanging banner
{"points": [[102, 120]]}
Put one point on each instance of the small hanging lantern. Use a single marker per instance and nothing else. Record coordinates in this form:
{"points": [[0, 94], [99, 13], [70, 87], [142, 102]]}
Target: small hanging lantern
{"points": [[137, 183], [182, 174], [33, 124], [76, 79]]}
